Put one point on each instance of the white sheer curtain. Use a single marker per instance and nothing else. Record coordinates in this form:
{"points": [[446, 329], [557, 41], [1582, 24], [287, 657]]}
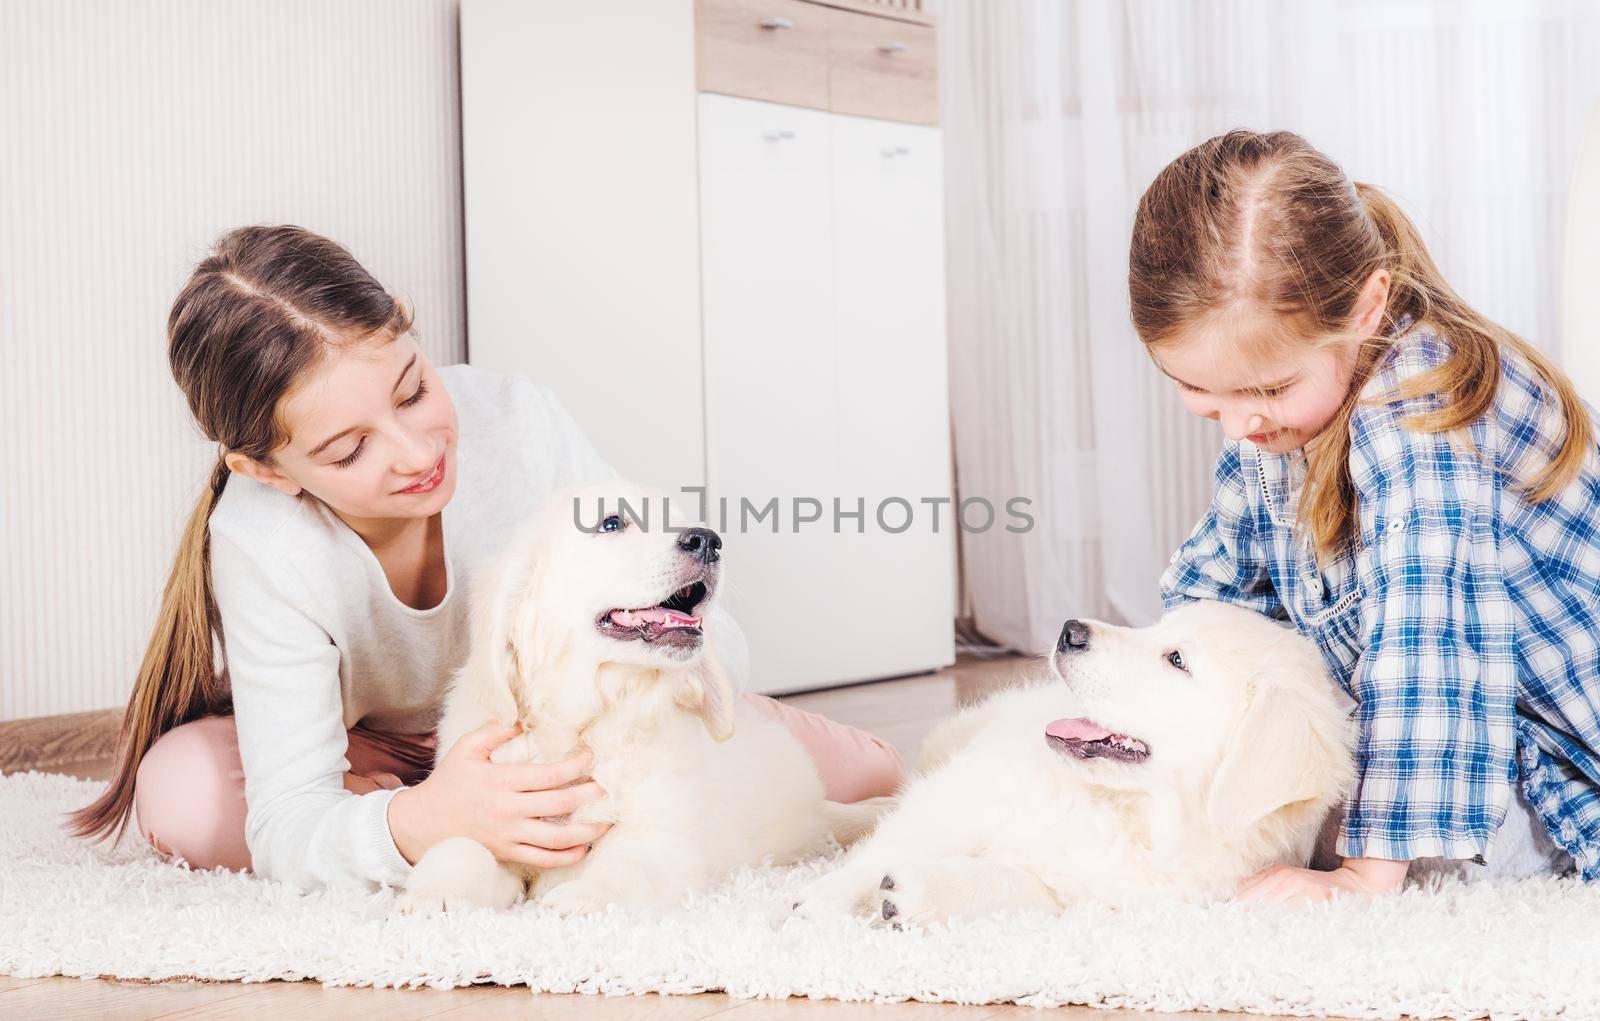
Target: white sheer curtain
{"points": [[1058, 113]]}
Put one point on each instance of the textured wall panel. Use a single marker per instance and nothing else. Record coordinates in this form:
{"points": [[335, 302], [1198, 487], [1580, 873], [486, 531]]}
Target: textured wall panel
{"points": [[131, 135]]}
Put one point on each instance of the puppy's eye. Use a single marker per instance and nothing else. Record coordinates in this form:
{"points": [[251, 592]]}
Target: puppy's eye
{"points": [[1176, 659], [612, 524]]}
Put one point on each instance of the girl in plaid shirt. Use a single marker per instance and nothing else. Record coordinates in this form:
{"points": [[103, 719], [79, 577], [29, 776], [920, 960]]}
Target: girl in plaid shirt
{"points": [[1409, 484]]}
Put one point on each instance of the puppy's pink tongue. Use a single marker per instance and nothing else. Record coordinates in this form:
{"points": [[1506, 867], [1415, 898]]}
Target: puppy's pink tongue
{"points": [[1079, 729]]}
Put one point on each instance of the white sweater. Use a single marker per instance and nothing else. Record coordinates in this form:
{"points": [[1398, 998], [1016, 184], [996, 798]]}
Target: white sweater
{"points": [[317, 641]]}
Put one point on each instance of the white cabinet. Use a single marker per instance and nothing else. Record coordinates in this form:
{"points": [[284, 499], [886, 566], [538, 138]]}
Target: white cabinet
{"points": [[767, 300], [760, 312], [892, 394], [826, 380]]}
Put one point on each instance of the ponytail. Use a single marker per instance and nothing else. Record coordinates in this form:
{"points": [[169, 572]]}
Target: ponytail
{"points": [[1468, 379], [253, 321], [180, 679], [1464, 384]]}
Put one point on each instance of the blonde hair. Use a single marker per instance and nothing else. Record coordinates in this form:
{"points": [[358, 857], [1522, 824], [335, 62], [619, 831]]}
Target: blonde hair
{"points": [[255, 316], [1266, 222]]}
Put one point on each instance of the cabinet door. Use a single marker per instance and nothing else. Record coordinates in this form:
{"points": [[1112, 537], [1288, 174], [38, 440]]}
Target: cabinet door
{"points": [[770, 375], [823, 305], [893, 390]]}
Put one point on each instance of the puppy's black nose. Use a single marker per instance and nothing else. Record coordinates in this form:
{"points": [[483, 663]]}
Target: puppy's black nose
{"points": [[701, 543], [1074, 637]]}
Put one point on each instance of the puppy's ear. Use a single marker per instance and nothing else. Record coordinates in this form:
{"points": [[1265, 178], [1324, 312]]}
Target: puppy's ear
{"points": [[708, 690], [498, 662], [1274, 757]]}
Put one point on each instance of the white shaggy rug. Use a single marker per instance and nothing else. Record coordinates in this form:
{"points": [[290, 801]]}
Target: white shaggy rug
{"points": [[1525, 950]]}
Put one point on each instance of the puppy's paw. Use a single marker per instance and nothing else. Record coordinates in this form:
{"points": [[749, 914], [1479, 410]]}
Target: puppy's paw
{"points": [[844, 891], [457, 875], [903, 899], [409, 903], [578, 897], [923, 893], [910, 895]]}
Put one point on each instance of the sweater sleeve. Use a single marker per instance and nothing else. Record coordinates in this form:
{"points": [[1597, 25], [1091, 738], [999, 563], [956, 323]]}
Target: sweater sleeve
{"points": [[302, 826]]}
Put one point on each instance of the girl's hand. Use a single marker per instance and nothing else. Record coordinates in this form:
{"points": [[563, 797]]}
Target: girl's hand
{"points": [[1282, 884], [506, 807]]}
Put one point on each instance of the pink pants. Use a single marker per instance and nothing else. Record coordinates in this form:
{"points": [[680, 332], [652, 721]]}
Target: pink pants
{"points": [[189, 794]]}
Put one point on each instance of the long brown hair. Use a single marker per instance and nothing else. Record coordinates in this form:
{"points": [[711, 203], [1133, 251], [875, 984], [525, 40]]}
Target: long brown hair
{"points": [[256, 315], [1266, 222]]}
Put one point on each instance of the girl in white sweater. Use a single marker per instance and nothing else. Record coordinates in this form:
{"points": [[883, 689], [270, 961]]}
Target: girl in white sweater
{"points": [[282, 719]]}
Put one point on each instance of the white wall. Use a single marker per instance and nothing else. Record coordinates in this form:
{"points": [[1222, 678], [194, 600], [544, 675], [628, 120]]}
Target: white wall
{"points": [[131, 135]]}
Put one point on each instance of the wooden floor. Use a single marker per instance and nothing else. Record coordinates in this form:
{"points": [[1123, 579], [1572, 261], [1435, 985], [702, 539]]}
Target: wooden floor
{"points": [[901, 711], [59, 999]]}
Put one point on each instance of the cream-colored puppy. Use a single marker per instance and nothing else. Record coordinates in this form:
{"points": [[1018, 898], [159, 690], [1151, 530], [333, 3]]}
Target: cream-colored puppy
{"points": [[602, 636], [1171, 761]]}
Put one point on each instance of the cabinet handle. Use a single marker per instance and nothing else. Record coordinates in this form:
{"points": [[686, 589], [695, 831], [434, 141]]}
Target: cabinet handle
{"points": [[774, 23], [896, 150], [778, 135], [891, 48]]}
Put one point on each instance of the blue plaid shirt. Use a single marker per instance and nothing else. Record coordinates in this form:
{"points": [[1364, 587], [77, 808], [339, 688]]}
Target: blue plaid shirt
{"points": [[1465, 622]]}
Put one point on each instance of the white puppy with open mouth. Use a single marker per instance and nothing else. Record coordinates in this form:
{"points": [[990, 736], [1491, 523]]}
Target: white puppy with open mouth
{"points": [[1166, 762], [602, 636]]}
